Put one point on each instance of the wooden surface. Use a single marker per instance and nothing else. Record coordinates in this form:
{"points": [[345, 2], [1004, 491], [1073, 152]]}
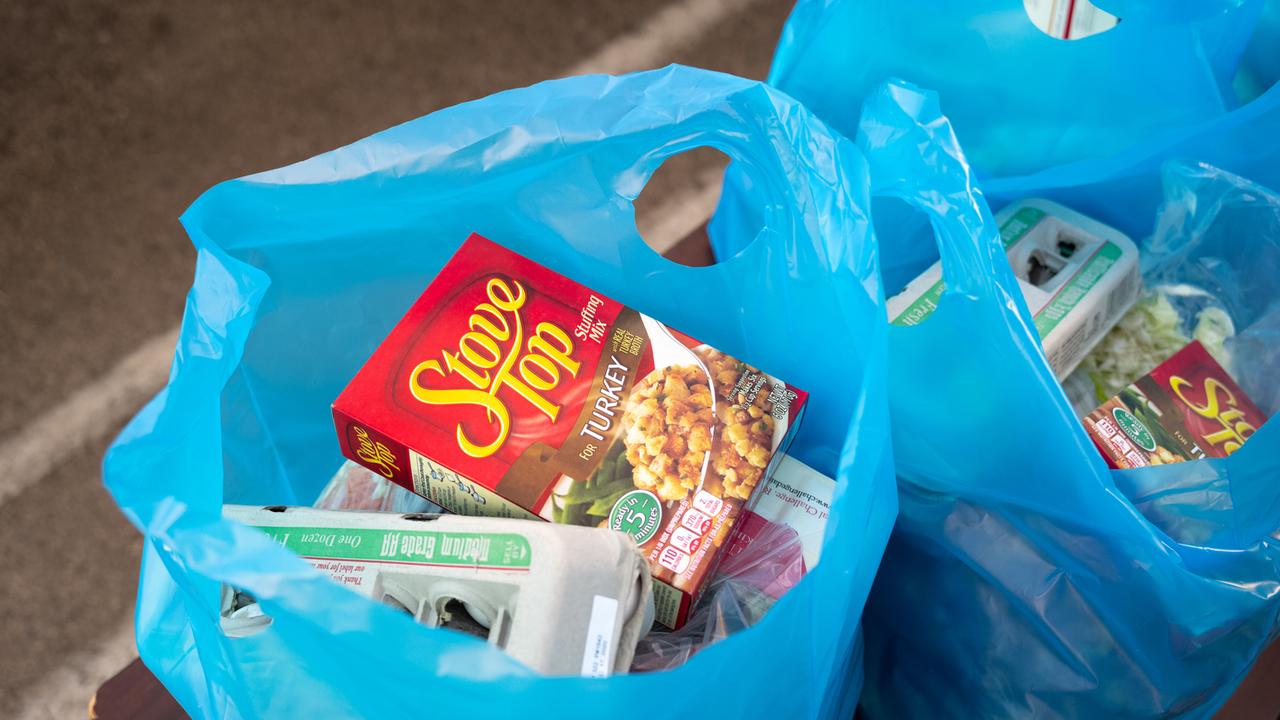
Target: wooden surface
{"points": [[135, 694], [694, 249], [1258, 697]]}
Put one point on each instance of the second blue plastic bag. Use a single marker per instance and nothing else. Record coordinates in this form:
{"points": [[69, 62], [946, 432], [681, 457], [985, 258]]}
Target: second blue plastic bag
{"points": [[301, 273], [1022, 101], [1024, 578], [1086, 122]]}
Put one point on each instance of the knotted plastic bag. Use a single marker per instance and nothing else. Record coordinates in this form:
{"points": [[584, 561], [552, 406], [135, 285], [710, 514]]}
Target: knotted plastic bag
{"points": [[303, 270], [1022, 101], [1087, 122]]}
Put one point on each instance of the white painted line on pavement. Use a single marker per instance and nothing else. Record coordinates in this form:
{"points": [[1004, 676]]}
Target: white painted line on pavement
{"points": [[673, 27], [85, 416], [65, 692]]}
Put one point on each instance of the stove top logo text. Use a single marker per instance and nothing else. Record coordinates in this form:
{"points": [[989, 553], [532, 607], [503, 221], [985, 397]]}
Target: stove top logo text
{"points": [[495, 354], [374, 454], [1220, 405]]}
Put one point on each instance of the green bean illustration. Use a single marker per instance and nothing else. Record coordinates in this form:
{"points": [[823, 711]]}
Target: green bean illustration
{"points": [[589, 501]]}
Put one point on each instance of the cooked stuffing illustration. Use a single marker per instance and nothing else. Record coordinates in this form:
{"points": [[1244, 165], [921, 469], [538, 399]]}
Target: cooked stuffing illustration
{"points": [[1165, 456], [672, 433]]}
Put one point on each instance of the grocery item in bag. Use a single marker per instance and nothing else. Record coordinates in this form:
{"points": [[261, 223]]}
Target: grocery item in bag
{"points": [[1187, 408], [1078, 277], [562, 600], [774, 546], [786, 528], [509, 390], [1161, 323]]}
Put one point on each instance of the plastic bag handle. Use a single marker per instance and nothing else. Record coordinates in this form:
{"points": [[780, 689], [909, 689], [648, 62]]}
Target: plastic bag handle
{"points": [[726, 133], [915, 157]]}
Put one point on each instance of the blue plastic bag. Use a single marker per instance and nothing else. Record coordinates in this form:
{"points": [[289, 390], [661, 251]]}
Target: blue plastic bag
{"points": [[1021, 101], [1024, 578], [1086, 122], [301, 271]]}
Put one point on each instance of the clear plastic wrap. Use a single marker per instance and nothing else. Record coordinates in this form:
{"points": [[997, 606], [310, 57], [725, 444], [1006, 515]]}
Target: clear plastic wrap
{"points": [[764, 562], [1164, 320], [355, 487], [1211, 272], [1218, 237], [726, 608]]}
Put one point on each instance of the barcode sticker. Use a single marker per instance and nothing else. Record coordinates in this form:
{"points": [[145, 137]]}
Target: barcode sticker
{"points": [[597, 657]]}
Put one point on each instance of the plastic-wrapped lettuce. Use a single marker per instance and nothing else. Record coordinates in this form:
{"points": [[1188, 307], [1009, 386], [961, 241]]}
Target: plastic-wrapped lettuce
{"points": [[1164, 320], [1213, 329]]}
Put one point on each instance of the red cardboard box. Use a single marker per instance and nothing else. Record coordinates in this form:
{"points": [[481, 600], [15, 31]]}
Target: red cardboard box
{"points": [[1186, 409], [509, 390]]}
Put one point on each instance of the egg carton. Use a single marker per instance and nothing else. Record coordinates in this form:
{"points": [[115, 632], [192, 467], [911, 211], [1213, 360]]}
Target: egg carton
{"points": [[564, 600], [1078, 276]]}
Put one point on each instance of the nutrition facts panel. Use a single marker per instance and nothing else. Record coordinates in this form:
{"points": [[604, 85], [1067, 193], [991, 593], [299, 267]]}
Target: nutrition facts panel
{"points": [[458, 494]]}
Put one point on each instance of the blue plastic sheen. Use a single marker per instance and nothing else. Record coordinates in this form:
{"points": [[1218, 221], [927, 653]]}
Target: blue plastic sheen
{"points": [[1260, 66], [301, 271], [1085, 122], [1023, 578], [1021, 101]]}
